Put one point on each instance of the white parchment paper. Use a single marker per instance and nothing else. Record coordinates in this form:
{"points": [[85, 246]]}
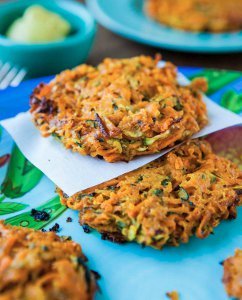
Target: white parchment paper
{"points": [[73, 172]]}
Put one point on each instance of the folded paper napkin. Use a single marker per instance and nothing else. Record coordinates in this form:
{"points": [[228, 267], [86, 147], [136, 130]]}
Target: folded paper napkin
{"points": [[73, 172]]}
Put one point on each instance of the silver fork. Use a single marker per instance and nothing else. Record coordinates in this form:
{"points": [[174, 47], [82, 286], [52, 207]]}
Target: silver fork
{"points": [[10, 75]]}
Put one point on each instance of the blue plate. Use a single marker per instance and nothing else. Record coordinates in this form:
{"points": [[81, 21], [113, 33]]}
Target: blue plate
{"points": [[129, 272], [127, 18]]}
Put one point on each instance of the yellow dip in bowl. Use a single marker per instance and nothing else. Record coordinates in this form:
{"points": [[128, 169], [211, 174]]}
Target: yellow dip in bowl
{"points": [[38, 25]]}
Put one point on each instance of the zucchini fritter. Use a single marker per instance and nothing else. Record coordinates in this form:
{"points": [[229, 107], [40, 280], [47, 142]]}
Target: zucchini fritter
{"points": [[186, 192], [42, 266], [197, 15], [120, 109], [232, 278]]}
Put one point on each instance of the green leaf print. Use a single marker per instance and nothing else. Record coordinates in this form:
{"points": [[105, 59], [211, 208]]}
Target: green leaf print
{"points": [[2, 198], [232, 101], [21, 176], [11, 207], [217, 78], [53, 207]]}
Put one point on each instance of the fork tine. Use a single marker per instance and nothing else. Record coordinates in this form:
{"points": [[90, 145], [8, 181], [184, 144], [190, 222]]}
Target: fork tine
{"points": [[4, 70], [10, 76], [6, 81], [18, 78]]}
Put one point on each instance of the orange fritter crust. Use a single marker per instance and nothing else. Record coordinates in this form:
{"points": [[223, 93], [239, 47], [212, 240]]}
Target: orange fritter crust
{"points": [[232, 278], [173, 295], [120, 109], [42, 266], [197, 15], [186, 192]]}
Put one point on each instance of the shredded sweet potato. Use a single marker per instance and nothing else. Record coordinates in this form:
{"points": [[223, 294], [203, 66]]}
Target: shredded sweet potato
{"points": [[120, 109], [42, 266], [186, 192], [173, 295], [197, 15], [232, 278]]}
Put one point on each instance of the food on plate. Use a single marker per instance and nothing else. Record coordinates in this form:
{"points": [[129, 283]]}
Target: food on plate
{"points": [[120, 109], [232, 278], [38, 25], [41, 265], [173, 295], [197, 15], [184, 193]]}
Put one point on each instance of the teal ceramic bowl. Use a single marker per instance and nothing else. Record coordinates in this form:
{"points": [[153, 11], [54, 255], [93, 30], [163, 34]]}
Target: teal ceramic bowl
{"points": [[53, 57]]}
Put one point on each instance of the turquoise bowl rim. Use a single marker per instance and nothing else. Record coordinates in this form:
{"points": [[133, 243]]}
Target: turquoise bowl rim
{"points": [[79, 36]]}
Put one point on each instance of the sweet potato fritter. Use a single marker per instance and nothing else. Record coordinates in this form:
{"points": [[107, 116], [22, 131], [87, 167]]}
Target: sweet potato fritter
{"points": [[173, 295], [197, 15], [40, 266], [186, 192], [120, 109], [232, 278]]}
